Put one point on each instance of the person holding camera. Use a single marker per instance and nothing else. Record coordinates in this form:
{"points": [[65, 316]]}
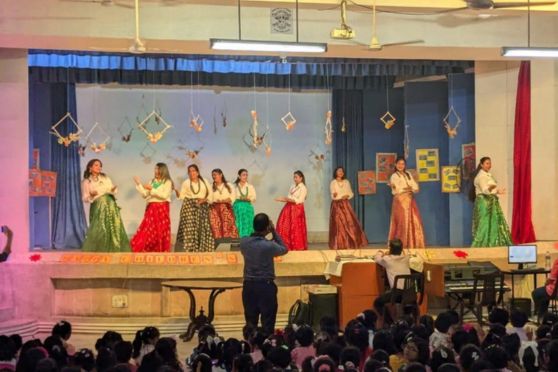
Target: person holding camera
{"points": [[259, 293], [8, 248]]}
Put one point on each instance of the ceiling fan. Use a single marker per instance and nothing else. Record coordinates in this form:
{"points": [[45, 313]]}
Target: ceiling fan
{"points": [[344, 31], [375, 44]]}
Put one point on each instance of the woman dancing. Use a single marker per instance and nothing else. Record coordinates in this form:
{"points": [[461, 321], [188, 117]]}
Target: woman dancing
{"points": [[153, 234], [405, 223], [345, 231], [243, 207], [291, 224], [489, 224], [106, 230], [194, 231], [221, 215]]}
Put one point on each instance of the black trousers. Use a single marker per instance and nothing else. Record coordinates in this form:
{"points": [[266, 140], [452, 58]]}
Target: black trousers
{"points": [[260, 299]]}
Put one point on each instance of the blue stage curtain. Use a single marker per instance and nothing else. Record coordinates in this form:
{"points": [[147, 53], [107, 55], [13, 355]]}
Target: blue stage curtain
{"points": [[297, 72], [348, 146], [68, 216]]}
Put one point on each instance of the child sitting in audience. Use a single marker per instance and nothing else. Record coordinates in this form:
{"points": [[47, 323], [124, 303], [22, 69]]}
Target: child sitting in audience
{"points": [[441, 336], [304, 338]]}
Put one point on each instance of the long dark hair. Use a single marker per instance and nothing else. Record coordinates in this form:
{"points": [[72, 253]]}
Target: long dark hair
{"points": [[164, 173], [219, 171], [400, 158], [472, 191], [335, 173], [87, 172], [195, 167], [299, 173], [143, 337], [240, 171]]}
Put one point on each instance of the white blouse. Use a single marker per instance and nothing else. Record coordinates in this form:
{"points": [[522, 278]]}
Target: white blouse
{"points": [[195, 190], [222, 194], [247, 191], [102, 185], [156, 195], [483, 181], [298, 193], [340, 189], [399, 182]]}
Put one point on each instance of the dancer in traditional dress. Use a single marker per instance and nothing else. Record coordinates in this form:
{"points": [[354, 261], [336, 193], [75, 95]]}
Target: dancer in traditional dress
{"points": [[291, 224], [221, 215], [489, 224], [153, 234], [243, 207], [194, 230], [405, 223], [344, 228], [106, 230]]}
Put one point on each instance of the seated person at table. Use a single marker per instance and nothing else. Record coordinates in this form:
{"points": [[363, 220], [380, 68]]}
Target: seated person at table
{"points": [[541, 295], [395, 264]]}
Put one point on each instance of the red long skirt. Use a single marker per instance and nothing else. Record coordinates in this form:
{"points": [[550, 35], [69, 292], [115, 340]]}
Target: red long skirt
{"points": [[344, 229], [221, 219], [153, 234], [291, 227]]}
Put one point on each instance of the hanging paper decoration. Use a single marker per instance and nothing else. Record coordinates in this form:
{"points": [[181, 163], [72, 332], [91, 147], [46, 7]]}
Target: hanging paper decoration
{"points": [[147, 153], [97, 146], [72, 136], [154, 136], [196, 122], [388, 119], [125, 130], [190, 153], [452, 120], [343, 125], [289, 121], [406, 142], [328, 129], [81, 149]]}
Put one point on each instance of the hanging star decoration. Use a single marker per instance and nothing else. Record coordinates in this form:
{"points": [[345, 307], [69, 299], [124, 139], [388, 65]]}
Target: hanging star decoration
{"points": [[147, 153], [154, 136], [450, 117], [72, 136], [388, 120], [254, 139], [97, 146], [328, 129], [289, 121], [196, 122]]}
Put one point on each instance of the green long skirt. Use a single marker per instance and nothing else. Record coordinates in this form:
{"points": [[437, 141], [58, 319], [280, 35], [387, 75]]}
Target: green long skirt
{"points": [[106, 231], [489, 225], [244, 217]]}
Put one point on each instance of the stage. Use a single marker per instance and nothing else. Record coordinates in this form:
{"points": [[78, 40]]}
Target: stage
{"points": [[123, 291]]}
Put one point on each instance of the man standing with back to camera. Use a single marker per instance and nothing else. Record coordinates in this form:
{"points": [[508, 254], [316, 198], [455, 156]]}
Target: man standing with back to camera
{"points": [[259, 293]]}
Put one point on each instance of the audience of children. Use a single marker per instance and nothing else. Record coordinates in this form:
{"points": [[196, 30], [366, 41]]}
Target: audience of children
{"points": [[443, 344]]}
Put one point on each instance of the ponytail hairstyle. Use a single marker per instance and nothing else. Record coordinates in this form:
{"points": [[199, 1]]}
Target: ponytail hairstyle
{"points": [[143, 337], [240, 171], [219, 171], [164, 173], [90, 163], [301, 175], [472, 191], [401, 158]]}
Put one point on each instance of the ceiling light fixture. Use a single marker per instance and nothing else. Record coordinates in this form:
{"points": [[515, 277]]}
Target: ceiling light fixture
{"points": [[528, 51], [266, 46]]}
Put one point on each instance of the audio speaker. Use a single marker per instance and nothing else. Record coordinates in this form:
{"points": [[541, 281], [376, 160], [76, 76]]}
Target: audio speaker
{"points": [[322, 304]]}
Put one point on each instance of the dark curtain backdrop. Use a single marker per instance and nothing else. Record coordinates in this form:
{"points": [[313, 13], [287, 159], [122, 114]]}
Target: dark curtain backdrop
{"points": [[68, 216], [522, 224]]}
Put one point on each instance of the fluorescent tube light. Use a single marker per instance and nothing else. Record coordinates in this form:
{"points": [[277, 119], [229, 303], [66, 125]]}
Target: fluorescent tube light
{"points": [[267, 46], [529, 52]]}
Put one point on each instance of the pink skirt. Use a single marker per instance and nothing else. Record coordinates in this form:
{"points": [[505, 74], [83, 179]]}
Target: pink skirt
{"points": [[291, 227], [345, 231], [406, 223]]}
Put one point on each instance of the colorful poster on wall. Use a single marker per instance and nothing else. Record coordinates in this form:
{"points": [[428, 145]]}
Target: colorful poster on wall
{"points": [[385, 165], [428, 165], [366, 182], [468, 156], [451, 179], [42, 183]]}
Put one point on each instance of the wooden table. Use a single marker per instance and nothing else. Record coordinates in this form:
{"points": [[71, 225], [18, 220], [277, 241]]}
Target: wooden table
{"points": [[216, 287]]}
